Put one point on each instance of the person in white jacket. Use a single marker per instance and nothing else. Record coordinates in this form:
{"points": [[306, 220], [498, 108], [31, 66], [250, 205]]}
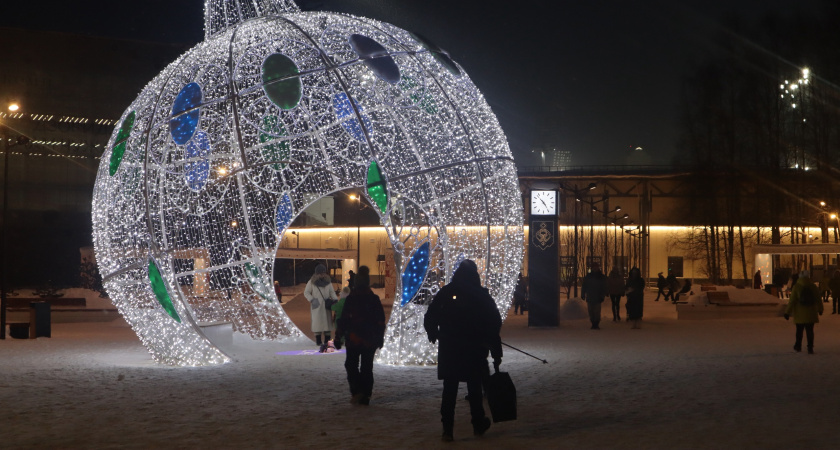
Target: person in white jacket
{"points": [[319, 291]]}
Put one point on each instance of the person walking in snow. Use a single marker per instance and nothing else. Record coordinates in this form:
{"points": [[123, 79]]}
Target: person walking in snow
{"points": [[673, 286], [318, 291], [338, 306], [825, 291], [362, 328], [464, 318], [834, 285], [660, 286], [757, 280], [278, 292], [615, 287], [593, 291], [805, 307], [635, 290]]}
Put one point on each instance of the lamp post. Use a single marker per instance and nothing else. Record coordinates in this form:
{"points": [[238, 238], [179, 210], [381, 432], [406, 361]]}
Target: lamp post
{"points": [[592, 210], [20, 140], [606, 216], [294, 260], [629, 232], [614, 221], [577, 193], [358, 200]]}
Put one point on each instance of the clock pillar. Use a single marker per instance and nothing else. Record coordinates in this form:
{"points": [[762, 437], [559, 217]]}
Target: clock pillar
{"points": [[543, 282]]}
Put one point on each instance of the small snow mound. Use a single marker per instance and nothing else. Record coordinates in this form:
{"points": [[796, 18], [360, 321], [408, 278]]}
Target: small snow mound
{"points": [[735, 295], [573, 309]]}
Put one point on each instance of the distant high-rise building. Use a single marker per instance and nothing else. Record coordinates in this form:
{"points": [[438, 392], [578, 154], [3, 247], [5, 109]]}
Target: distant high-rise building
{"points": [[562, 159], [549, 158]]}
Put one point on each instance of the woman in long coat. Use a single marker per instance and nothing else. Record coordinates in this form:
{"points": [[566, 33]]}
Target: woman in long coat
{"points": [[464, 318], [318, 290], [635, 297]]}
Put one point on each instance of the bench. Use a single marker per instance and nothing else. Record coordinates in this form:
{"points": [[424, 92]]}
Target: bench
{"points": [[718, 297], [38, 324], [60, 309], [23, 302], [724, 308], [721, 298]]}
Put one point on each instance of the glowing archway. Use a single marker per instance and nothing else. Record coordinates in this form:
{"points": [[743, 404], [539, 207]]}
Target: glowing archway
{"points": [[273, 110]]}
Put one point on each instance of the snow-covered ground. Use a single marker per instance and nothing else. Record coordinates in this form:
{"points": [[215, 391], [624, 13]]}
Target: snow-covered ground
{"points": [[672, 384]]}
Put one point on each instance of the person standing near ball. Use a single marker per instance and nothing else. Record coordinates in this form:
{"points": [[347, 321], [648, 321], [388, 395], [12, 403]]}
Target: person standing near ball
{"points": [[464, 318], [362, 327]]}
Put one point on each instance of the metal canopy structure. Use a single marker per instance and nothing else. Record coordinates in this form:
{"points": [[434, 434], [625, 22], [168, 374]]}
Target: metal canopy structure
{"points": [[764, 255]]}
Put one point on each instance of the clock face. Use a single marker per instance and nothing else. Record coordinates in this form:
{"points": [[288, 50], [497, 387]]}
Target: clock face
{"points": [[544, 203]]}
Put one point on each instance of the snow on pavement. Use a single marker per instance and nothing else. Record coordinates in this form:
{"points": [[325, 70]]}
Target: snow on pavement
{"points": [[672, 384]]}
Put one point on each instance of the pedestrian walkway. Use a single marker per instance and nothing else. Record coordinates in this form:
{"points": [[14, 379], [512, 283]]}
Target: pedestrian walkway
{"points": [[670, 385]]}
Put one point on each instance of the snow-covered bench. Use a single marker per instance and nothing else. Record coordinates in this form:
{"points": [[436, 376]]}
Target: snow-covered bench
{"points": [[718, 305], [721, 298]]}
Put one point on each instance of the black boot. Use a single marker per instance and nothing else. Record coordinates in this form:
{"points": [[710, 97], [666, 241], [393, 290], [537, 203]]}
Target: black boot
{"points": [[447, 435], [481, 426], [318, 339], [326, 337]]}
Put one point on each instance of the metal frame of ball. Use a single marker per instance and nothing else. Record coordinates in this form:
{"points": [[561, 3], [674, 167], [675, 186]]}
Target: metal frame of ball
{"points": [[397, 356]]}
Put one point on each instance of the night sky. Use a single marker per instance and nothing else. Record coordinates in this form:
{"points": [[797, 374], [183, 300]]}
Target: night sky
{"points": [[598, 78]]}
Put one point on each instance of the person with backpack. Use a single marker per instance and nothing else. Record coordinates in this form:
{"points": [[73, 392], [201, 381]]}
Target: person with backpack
{"points": [[805, 306], [465, 319]]}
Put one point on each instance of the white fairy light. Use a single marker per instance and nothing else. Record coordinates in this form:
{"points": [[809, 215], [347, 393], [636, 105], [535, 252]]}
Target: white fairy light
{"points": [[274, 110]]}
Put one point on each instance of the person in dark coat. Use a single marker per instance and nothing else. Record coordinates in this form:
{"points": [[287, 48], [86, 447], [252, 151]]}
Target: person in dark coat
{"points": [[615, 286], [351, 279], [686, 289], [660, 286], [362, 327], [635, 297], [464, 318], [520, 295], [673, 286], [757, 280], [834, 285], [593, 290]]}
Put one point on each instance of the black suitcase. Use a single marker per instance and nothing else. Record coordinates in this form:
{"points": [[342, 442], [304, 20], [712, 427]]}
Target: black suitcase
{"points": [[501, 396]]}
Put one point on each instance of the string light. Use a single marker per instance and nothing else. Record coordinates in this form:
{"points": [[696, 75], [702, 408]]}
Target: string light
{"points": [[275, 109]]}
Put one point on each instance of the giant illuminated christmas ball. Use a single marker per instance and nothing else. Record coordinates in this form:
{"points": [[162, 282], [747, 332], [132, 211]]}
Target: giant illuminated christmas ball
{"points": [[274, 110]]}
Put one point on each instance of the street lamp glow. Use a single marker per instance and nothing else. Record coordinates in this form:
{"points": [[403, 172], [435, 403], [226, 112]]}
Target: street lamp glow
{"points": [[14, 107]]}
